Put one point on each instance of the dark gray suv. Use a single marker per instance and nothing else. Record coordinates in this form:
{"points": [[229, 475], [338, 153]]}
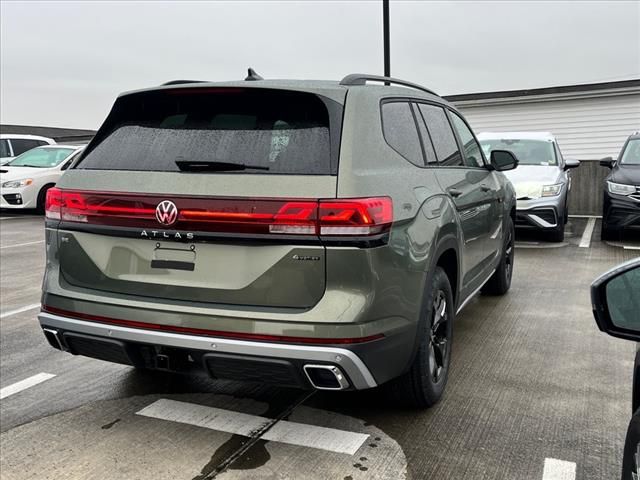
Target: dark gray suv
{"points": [[307, 233]]}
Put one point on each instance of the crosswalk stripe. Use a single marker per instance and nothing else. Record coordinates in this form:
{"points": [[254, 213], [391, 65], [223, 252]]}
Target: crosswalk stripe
{"points": [[24, 384], [238, 423], [558, 470]]}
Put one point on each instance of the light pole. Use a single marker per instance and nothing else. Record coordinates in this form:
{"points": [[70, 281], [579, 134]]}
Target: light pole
{"points": [[385, 33]]}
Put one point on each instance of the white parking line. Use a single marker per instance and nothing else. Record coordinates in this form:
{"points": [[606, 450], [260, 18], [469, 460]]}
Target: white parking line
{"points": [[12, 218], [629, 247], [585, 241], [24, 384], [21, 244], [238, 423], [19, 310], [558, 470]]}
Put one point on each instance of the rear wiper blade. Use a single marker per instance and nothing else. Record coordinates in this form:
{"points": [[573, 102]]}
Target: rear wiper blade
{"points": [[203, 166]]}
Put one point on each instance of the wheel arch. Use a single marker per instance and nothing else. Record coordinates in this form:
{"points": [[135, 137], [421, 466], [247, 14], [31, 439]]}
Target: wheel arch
{"points": [[446, 255], [41, 194]]}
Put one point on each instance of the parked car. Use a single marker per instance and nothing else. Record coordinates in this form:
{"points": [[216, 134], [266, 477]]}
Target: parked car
{"points": [[615, 297], [12, 145], [305, 233], [542, 180], [621, 206], [25, 180]]}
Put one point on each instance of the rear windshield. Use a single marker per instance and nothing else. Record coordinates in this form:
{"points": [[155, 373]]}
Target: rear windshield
{"points": [[266, 131]]}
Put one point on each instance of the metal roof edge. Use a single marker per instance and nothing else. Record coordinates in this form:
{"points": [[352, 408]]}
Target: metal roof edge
{"points": [[630, 86]]}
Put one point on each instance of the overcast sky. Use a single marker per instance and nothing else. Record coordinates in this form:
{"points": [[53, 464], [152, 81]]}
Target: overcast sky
{"points": [[63, 63]]}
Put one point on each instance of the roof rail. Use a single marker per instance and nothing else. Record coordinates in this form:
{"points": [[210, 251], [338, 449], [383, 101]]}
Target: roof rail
{"points": [[180, 82], [362, 78]]}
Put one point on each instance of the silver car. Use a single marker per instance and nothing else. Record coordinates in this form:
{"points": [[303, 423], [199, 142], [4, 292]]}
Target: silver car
{"points": [[542, 181]]}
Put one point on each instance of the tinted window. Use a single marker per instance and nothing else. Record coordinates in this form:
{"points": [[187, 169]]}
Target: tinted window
{"points": [[427, 141], [42, 157], [22, 145], [441, 134], [400, 131], [277, 131], [4, 149], [472, 153]]}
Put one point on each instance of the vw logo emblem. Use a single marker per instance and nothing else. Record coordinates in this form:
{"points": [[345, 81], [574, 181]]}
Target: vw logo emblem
{"points": [[166, 212]]}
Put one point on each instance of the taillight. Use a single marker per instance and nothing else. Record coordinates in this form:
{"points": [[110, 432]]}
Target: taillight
{"points": [[342, 217], [53, 203], [361, 216]]}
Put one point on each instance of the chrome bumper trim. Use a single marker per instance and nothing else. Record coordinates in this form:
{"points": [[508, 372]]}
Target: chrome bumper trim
{"points": [[354, 367]]}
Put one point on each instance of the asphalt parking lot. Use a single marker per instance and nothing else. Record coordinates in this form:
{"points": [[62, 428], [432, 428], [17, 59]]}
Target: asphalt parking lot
{"points": [[535, 392]]}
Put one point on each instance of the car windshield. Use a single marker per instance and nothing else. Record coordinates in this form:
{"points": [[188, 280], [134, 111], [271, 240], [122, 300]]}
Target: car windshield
{"points": [[528, 152], [631, 154], [41, 157]]}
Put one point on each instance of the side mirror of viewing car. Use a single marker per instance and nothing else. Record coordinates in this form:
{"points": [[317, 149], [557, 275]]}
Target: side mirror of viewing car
{"points": [[502, 160], [571, 163], [615, 297], [607, 162]]}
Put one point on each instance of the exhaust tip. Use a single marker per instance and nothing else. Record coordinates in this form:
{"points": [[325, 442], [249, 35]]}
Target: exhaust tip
{"points": [[53, 338], [326, 377]]}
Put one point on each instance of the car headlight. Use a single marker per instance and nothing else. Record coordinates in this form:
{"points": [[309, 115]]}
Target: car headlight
{"points": [[18, 183], [621, 188], [551, 190]]}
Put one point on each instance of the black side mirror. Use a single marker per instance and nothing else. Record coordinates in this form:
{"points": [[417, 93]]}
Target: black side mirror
{"points": [[615, 298], [502, 160], [607, 162], [571, 163]]}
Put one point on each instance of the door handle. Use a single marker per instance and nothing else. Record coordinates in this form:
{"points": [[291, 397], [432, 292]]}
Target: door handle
{"points": [[485, 188], [454, 192]]}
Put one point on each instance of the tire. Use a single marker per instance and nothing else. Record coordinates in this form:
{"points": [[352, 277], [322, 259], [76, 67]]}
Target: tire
{"points": [[42, 196], [500, 281], [423, 385]]}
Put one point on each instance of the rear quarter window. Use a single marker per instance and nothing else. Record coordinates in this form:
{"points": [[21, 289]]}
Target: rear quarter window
{"points": [[441, 134], [4, 149], [280, 132], [400, 131]]}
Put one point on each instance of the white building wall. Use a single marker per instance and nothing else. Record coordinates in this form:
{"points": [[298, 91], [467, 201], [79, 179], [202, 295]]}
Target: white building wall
{"points": [[589, 127]]}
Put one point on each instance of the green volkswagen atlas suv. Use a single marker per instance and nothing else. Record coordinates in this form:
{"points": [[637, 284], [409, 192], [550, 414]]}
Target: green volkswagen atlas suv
{"points": [[313, 234]]}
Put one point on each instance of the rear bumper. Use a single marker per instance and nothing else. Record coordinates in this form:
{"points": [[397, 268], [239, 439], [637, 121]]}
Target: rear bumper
{"points": [[232, 359]]}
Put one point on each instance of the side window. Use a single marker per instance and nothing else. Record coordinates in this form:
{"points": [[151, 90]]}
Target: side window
{"points": [[427, 141], [21, 145], [472, 151], [4, 149], [399, 129], [444, 142], [559, 160]]}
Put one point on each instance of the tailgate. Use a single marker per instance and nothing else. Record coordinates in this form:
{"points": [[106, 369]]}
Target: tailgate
{"points": [[203, 195]]}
